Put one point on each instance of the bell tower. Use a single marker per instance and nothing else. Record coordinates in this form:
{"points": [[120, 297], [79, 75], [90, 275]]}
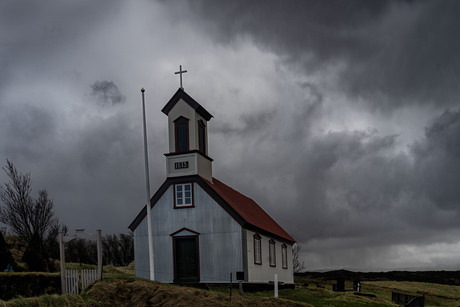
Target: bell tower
{"points": [[188, 137]]}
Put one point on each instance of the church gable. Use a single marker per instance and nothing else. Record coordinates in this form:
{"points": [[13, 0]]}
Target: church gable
{"points": [[206, 225], [171, 183], [241, 208], [182, 95]]}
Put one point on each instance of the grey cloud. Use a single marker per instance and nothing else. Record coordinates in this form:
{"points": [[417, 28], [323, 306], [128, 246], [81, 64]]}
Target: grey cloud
{"points": [[336, 187], [395, 53], [345, 175], [273, 122], [355, 185], [39, 40], [437, 160], [106, 93], [31, 130], [248, 125]]}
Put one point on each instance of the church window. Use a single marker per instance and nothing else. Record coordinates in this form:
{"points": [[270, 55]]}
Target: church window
{"points": [[257, 249], [183, 194], [284, 256], [272, 255], [202, 136], [181, 134]]}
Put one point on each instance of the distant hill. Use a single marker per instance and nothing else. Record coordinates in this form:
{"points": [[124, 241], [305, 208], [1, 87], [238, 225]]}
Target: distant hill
{"points": [[437, 277]]}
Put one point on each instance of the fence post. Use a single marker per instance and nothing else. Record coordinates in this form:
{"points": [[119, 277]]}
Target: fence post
{"points": [[84, 279], [231, 286], [99, 254], [62, 261], [276, 285]]}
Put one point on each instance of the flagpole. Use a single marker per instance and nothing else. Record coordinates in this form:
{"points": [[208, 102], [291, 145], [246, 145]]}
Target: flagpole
{"points": [[147, 182]]}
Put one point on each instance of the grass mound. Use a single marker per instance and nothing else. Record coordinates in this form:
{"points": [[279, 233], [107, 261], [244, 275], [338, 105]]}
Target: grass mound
{"points": [[54, 300], [134, 292]]}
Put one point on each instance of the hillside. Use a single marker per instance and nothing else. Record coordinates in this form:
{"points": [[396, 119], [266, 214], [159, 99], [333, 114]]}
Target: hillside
{"points": [[135, 292], [120, 288], [436, 277]]}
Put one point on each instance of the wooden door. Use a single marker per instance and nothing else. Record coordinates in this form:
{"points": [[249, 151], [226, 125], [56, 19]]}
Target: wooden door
{"points": [[186, 262]]}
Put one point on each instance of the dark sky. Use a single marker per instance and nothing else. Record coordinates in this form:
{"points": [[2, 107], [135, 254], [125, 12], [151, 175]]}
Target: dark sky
{"points": [[340, 118]]}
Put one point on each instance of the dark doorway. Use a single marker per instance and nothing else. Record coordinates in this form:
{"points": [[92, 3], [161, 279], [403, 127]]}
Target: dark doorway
{"points": [[186, 261]]}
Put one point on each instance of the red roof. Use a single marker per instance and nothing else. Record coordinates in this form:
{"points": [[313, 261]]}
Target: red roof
{"points": [[248, 209]]}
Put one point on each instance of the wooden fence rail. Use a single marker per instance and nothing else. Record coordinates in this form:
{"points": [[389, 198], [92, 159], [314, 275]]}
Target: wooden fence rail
{"points": [[76, 281], [88, 277]]}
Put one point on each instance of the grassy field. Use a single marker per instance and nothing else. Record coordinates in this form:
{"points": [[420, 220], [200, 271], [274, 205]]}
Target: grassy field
{"points": [[435, 294], [120, 288]]}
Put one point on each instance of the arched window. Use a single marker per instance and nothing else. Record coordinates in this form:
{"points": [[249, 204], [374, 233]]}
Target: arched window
{"points": [[284, 256], [257, 249], [272, 253], [181, 134]]}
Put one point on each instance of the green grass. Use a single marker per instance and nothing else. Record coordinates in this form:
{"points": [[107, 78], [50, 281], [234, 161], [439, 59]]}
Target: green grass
{"points": [[317, 293], [46, 300], [320, 294], [120, 286], [435, 294]]}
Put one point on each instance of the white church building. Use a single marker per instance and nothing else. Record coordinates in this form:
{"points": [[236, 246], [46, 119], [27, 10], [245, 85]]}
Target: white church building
{"points": [[202, 229]]}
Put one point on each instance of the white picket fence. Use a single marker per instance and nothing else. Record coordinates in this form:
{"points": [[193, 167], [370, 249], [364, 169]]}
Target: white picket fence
{"points": [[76, 281]]}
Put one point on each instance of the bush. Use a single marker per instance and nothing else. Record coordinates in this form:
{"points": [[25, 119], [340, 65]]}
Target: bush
{"points": [[28, 284], [5, 255], [33, 256]]}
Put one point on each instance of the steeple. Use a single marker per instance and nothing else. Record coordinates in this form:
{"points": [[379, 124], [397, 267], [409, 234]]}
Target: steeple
{"points": [[188, 137]]}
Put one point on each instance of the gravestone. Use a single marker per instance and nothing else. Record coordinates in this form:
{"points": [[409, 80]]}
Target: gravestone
{"points": [[407, 300], [357, 285], [339, 286]]}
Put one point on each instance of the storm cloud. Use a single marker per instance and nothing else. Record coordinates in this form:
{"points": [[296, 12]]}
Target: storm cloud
{"points": [[106, 93], [390, 52], [340, 118]]}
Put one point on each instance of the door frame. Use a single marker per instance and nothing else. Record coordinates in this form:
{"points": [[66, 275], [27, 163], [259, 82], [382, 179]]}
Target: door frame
{"points": [[185, 233]]}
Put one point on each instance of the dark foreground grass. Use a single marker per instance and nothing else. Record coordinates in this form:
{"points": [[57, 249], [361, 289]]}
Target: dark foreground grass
{"points": [[120, 288], [135, 292], [146, 293]]}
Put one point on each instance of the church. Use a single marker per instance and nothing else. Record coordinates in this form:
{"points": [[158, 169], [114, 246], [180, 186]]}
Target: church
{"points": [[202, 229]]}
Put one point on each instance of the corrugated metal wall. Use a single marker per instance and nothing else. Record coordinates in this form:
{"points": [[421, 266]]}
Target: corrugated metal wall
{"points": [[220, 239], [262, 273]]}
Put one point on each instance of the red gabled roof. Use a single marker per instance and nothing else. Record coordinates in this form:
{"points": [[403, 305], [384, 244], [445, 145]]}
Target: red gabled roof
{"points": [[248, 209]]}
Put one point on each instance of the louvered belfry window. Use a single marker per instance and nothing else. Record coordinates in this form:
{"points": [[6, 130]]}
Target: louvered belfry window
{"points": [[202, 136], [181, 133]]}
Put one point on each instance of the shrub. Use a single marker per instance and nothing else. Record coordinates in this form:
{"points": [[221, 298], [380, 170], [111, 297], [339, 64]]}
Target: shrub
{"points": [[28, 284]]}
